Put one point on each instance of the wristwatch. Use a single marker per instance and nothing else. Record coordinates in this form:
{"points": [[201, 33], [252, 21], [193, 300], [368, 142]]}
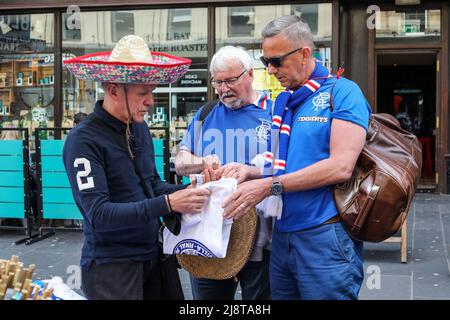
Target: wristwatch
{"points": [[277, 187]]}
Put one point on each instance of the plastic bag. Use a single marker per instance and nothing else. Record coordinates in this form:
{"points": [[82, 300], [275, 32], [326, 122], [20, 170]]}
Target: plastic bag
{"points": [[205, 234]]}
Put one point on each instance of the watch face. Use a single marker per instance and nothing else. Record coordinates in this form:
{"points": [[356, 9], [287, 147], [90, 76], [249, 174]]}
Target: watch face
{"points": [[277, 189]]}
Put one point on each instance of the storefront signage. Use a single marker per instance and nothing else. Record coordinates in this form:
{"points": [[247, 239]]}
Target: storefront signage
{"points": [[181, 48], [178, 36], [15, 23], [15, 34], [193, 79]]}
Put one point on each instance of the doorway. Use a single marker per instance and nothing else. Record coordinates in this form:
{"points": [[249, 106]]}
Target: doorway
{"points": [[406, 88]]}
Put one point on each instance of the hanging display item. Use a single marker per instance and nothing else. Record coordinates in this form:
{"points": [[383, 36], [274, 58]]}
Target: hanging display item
{"points": [[19, 80]]}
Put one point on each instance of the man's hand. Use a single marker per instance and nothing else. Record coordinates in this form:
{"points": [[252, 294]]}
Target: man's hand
{"points": [[246, 197], [187, 163], [206, 176], [239, 171], [189, 200], [211, 161]]}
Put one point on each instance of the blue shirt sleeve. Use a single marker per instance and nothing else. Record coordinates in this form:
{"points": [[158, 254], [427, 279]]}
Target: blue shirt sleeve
{"points": [[192, 135], [83, 160], [350, 104]]}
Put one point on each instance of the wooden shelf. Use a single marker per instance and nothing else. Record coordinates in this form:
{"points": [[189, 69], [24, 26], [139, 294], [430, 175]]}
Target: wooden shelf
{"points": [[34, 70], [34, 74], [6, 69], [6, 98], [36, 86]]}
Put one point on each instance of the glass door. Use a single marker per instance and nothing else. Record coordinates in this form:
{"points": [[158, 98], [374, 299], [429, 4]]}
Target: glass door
{"points": [[407, 89]]}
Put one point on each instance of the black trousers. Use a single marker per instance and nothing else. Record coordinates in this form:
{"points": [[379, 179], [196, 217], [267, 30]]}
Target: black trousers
{"points": [[122, 280]]}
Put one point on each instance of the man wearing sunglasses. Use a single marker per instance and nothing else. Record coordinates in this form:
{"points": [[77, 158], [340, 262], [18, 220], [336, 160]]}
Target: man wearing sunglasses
{"points": [[232, 133], [313, 256]]}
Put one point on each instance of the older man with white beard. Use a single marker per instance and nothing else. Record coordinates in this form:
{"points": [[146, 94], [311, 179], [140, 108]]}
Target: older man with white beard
{"points": [[233, 132]]}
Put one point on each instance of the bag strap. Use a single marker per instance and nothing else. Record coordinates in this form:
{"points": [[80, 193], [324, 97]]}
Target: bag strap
{"points": [[331, 96], [206, 109], [338, 76]]}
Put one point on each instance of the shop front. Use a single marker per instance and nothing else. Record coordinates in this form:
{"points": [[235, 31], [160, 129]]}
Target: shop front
{"points": [[27, 73], [405, 71], [32, 98]]}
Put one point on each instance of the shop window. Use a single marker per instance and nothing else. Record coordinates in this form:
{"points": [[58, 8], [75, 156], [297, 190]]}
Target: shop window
{"points": [[71, 31], [122, 24], [308, 13], [241, 21], [422, 25], [26, 71], [163, 30], [179, 24], [243, 26]]}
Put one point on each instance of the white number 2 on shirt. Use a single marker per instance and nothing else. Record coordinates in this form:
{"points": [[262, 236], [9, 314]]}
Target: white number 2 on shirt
{"points": [[83, 174]]}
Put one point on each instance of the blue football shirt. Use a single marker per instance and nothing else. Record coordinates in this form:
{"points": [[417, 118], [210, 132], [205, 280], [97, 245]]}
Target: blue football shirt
{"points": [[310, 143], [234, 135]]}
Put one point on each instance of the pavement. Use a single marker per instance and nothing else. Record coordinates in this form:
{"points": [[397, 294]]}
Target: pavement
{"points": [[425, 276]]}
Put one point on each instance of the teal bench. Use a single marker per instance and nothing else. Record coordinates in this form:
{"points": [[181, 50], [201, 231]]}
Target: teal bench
{"points": [[15, 197], [158, 145], [13, 180], [57, 200], [161, 149], [186, 180]]}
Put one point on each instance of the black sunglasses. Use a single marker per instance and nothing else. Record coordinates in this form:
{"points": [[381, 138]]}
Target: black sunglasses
{"points": [[278, 60]]}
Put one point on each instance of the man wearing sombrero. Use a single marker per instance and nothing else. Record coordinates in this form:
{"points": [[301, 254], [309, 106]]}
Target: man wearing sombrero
{"points": [[109, 159]]}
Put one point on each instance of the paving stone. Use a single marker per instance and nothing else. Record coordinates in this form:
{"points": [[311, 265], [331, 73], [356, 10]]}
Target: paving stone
{"points": [[425, 276], [390, 288]]}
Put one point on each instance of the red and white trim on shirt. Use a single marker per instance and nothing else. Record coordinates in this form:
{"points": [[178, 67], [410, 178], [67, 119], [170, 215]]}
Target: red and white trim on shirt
{"points": [[279, 164], [262, 103], [312, 85], [286, 129], [268, 156]]}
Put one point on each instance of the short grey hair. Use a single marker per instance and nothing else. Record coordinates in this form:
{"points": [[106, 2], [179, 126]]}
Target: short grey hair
{"points": [[219, 61], [292, 27]]}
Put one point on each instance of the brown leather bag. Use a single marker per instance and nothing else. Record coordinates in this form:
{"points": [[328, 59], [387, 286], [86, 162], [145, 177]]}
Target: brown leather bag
{"points": [[374, 203]]}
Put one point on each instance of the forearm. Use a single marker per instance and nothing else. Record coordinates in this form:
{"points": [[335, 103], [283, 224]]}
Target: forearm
{"points": [[107, 216], [161, 187], [327, 172], [254, 173], [346, 142], [187, 163]]}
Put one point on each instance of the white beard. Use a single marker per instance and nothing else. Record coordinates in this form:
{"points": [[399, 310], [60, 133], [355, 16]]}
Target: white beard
{"points": [[236, 105]]}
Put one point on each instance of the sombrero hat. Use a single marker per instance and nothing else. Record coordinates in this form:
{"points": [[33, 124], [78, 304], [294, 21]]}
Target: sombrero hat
{"points": [[131, 61], [240, 245]]}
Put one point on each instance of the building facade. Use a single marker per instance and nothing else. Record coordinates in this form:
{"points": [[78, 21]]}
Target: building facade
{"points": [[397, 51]]}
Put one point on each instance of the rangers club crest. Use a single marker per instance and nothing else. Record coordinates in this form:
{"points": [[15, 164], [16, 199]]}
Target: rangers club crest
{"points": [[322, 100], [263, 131]]}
